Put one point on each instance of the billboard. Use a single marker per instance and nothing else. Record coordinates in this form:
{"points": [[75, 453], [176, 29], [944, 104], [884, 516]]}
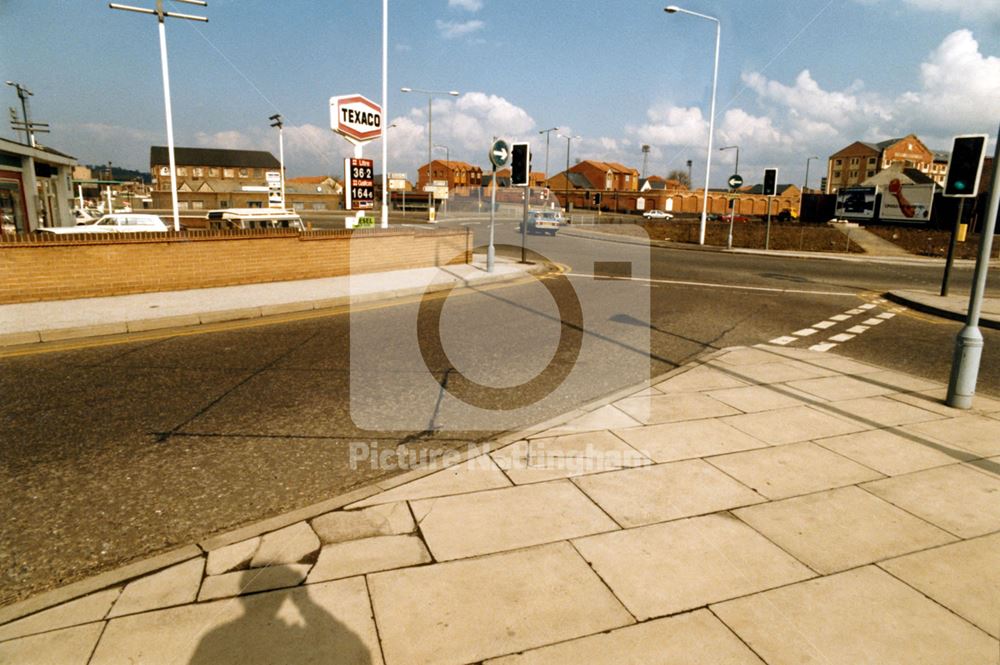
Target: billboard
{"points": [[907, 203], [855, 202]]}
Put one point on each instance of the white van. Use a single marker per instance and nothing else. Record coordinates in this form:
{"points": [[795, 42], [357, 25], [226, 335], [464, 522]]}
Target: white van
{"points": [[253, 218]]}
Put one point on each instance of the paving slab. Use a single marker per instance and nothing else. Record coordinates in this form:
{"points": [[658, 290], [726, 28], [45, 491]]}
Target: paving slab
{"points": [[668, 568], [671, 442], [959, 499], [901, 382], [539, 460], [842, 528], [369, 555], [934, 400], [70, 646], [882, 411], [699, 378], [329, 622], [776, 370], [696, 638], [975, 433], [251, 581], [745, 356], [674, 407], [646, 495], [893, 452], [74, 613], [837, 388], [174, 586], [231, 557], [391, 519], [964, 577], [474, 475], [799, 423], [296, 543], [496, 520], [859, 616], [751, 399], [467, 611], [780, 472], [605, 417]]}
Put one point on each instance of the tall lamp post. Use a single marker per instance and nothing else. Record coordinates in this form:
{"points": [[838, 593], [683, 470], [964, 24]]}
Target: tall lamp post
{"points": [[736, 168], [430, 141], [673, 9], [276, 121], [160, 16], [805, 185], [547, 132], [569, 141], [732, 210]]}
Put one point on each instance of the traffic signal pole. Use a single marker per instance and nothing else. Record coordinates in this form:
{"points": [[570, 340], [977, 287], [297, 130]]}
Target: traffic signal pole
{"points": [[969, 342], [951, 249]]}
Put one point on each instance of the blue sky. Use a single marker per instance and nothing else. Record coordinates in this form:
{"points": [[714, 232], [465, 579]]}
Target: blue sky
{"points": [[796, 78]]}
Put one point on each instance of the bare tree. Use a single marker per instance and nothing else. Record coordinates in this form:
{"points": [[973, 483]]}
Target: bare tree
{"points": [[681, 177]]}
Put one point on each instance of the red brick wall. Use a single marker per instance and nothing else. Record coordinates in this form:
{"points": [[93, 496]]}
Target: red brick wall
{"points": [[52, 268]]}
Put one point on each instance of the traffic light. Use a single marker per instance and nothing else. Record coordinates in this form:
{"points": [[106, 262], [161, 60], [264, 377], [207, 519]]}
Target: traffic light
{"points": [[520, 163], [770, 182], [597, 198], [965, 165]]}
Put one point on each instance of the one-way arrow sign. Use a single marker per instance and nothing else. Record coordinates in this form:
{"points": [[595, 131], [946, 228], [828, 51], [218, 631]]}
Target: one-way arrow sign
{"points": [[499, 153]]}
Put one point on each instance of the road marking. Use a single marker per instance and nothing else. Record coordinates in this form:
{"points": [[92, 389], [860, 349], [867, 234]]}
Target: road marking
{"points": [[855, 311], [823, 325], [713, 285], [805, 332], [886, 315], [872, 322], [782, 341], [840, 317], [842, 337], [822, 348], [857, 330], [867, 306]]}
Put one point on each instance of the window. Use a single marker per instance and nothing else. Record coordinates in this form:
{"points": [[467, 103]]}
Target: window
{"points": [[871, 173], [244, 173], [182, 170], [854, 161], [198, 205], [871, 161], [165, 171], [319, 206], [213, 172], [228, 173], [838, 162], [836, 175], [197, 171], [223, 204], [298, 205], [854, 175], [254, 204]]}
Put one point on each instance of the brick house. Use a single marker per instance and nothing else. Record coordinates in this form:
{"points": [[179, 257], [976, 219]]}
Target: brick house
{"points": [[608, 176], [861, 160], [456, 174]]}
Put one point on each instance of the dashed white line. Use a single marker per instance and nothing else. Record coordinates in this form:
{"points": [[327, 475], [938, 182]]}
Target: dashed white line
{"points": [[842, 337], [823, 325], [854, 311], [872, 322], [782, 341], [886, 315], [840, 317], [857, 330], [822, 348], [805, 332], [866, 306]]}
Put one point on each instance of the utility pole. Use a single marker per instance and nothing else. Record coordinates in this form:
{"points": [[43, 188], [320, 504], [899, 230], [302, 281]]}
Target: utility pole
{"points": [[26, 125], [277, 121], [547, 132], [645, 160], [161, 15]]}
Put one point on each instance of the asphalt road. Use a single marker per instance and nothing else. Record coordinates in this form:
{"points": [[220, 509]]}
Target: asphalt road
{"points": [[113, 453]]}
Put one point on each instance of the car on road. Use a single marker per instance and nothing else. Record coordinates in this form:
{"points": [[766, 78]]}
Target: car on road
{"points": [[657, 214], [543, 222], [114, 223], [253, 218]]}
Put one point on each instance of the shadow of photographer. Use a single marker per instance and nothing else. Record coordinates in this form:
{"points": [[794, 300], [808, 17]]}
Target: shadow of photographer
{"points": [[286, 626]]}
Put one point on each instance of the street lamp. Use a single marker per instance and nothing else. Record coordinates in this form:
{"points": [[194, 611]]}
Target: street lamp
{"points": [[569, 141], [430, 143], [276, 121], [673, 9], [547, 132], [160, 16], [805, 185], [736, 168]]}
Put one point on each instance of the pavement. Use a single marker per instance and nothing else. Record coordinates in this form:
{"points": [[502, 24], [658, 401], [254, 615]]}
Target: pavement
{"points": [[761, 504], [50, 321]]}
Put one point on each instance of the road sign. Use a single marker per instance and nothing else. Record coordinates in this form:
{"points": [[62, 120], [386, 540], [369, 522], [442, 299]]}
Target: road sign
{"points": [[274, 199], [735, 181], [364, 222], [356, 118], [499, 153], [359, 184]]}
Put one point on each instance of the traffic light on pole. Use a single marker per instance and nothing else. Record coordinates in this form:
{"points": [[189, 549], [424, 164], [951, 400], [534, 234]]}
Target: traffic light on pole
{"points": [[520, 160], [770, 182], [965, 166]]}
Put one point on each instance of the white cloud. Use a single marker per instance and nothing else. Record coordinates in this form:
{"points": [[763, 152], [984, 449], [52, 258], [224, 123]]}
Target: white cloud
{"points": [[967, 9], [672, 126], [469, 5], [806, 98], [455, 29]]}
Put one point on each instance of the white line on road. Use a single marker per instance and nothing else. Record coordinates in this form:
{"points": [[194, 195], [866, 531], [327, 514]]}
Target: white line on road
{"points": [[886, 315], [782, 341], [857, 330], [842, 337], [712, 285], [805, 332], [822, 348], [823, 325], [872, 322]]}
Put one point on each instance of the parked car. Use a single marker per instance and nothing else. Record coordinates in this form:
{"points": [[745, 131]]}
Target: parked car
{"points": [[543, 221], [116, 223], [657, 214], [254, 218]]}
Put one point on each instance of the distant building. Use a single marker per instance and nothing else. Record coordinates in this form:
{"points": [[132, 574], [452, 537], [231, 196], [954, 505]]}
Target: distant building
{"points": [[210, 178], [655, 183], [608, 176], [860, 161], [34, 187], [456, 174]]}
